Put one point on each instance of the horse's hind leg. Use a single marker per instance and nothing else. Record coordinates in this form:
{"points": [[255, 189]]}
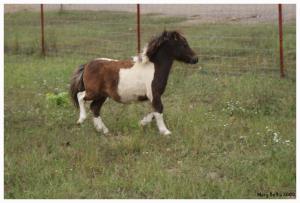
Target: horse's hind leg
{"points": [[95, 108], [82, 114]]}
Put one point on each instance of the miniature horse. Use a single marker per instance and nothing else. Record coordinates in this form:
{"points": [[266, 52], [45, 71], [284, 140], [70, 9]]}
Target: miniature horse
{"points": [[144, 78]]}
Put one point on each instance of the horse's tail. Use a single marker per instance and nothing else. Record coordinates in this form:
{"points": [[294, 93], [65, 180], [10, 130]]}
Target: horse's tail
{"points": [[77, 84]]}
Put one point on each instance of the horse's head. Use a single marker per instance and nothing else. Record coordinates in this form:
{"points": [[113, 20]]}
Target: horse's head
{"points": [[174, 44]]}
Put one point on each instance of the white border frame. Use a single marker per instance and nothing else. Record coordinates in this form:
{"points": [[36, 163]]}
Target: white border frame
{"points": [[134, 2]]}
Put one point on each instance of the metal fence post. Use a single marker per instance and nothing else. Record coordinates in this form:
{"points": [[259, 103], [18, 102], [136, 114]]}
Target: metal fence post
{"points": [[280, 40], [42, 30], [138, 28]]}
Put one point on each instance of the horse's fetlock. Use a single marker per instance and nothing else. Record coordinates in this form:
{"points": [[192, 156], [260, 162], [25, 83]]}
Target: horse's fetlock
{"points": [[81, 120], [165, 132]]}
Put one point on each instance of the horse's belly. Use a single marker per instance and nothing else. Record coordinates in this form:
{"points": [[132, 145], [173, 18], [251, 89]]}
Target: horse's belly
{"points": [[135, 84], [132, 92]]}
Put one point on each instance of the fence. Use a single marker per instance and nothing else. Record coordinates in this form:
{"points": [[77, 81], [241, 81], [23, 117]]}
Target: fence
{"points": [[236, 38]]}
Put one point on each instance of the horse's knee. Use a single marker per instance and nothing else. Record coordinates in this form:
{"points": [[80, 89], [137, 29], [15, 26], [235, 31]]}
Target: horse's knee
{"points": [[95, 106], [157, 105]]}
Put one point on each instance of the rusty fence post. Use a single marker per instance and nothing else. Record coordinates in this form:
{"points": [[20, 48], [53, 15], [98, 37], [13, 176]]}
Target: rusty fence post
{"points": [[280, 40], [42, 31], [138, 28]]}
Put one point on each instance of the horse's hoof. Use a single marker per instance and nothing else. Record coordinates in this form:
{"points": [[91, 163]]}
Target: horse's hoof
{"points": [[80, 121], [105, 131], [166, 132], [142, 123], [98, 129]]}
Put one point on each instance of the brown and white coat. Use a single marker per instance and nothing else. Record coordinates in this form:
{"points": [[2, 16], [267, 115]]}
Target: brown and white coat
{"points": [[142, 79]]}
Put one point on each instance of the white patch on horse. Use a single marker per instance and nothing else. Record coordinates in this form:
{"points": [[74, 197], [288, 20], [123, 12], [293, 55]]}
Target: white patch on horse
{"points": [[99, 125], [106, 59], [147, 119], [136, 81], [161, 124], [141, 57], [82, 112]]}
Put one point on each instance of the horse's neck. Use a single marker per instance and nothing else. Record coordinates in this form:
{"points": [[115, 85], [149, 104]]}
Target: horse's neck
{"points": [[162, 66]]}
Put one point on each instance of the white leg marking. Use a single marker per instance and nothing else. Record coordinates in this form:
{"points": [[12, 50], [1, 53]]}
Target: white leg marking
{"points": [[82, 114], [161, 124], [99, 125], [147, 119]]}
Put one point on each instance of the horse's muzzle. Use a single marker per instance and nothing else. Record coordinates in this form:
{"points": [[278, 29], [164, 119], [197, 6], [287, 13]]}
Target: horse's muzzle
{"points": [[194, 60]]}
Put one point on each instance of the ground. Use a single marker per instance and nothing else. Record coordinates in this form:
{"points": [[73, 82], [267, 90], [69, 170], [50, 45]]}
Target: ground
{"points": [[232, 117]]}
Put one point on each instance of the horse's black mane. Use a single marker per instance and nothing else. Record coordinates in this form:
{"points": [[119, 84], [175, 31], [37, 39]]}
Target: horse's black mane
{"points": [[158, 40]]}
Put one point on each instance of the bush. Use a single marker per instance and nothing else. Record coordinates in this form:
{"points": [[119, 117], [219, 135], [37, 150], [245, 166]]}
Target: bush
{"points": [[60, 99]]}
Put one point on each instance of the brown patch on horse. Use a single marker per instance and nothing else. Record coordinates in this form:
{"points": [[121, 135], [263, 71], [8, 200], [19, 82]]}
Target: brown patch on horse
{"points": [[101, 78]]}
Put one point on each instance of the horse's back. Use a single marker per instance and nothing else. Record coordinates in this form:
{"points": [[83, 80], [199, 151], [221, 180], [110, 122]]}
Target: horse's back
{"points": [[101, 77]]}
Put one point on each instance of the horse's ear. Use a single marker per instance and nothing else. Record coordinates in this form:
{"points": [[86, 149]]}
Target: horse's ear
{"points": [[165, 35], [175, 35]]}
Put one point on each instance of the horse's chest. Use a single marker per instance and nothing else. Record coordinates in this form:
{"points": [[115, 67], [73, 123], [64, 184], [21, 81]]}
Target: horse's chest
{"points": [[135, 83]]}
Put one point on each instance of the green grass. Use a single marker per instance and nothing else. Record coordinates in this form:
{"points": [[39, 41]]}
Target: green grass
{"points": [[224, 117]]}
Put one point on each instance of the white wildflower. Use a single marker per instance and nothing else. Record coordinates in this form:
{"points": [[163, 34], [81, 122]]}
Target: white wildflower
{"points": [[276, 137]]}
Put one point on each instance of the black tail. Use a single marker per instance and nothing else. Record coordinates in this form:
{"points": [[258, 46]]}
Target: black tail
{"points": [[77, 84]]}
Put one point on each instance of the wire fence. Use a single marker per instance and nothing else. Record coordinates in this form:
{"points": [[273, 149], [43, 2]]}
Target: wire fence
{"points": [[227, 38]]}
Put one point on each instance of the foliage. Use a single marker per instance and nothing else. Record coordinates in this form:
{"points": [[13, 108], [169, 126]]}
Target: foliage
{"points": [[60, 99]]}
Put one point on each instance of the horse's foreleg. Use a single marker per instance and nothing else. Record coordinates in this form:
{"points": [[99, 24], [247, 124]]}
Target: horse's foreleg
{"points": [[147, 119], [82, 112], [95, 108], [158, 114]]}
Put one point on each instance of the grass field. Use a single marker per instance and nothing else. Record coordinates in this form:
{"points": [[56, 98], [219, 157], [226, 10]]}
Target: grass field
{"points": [[233, 119]]}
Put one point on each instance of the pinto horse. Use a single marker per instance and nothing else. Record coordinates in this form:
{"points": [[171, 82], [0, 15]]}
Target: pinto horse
{"points": [[142, 79]]}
